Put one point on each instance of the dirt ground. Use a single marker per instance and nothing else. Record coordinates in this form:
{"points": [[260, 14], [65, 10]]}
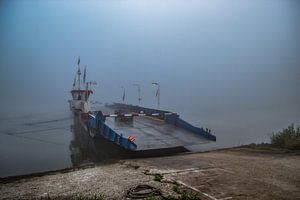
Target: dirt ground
{"points": [[239, 173]]}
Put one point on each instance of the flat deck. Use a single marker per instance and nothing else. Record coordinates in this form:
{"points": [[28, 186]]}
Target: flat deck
{"points": [[153, 133]]}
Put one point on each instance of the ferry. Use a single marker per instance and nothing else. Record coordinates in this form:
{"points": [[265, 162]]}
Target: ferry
{"points": [[132, 127]]}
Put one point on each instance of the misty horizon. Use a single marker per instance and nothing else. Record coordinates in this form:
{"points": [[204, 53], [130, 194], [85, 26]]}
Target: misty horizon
{"points": [[232, 66]]}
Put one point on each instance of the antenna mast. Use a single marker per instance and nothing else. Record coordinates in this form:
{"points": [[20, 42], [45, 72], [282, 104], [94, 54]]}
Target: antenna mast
{"points": [[78, 72]]}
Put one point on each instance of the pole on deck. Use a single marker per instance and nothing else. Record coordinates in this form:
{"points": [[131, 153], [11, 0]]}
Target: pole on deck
{"points": [[157, 93]]}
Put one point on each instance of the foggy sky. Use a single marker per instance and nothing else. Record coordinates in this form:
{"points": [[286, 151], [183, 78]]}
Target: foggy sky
{"points": [[209, 56]]}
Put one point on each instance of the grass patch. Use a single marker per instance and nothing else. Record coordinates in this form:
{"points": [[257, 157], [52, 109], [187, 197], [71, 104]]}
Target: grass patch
{"points": [[185, 196], [181, 193], [288, 138], [176, 189], [154, 198], [184, 193], [189, 196], [158, 177], [93, 197]]}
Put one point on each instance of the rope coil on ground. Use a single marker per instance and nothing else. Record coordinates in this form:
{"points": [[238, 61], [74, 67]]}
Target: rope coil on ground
{"points": [[143, 191]]}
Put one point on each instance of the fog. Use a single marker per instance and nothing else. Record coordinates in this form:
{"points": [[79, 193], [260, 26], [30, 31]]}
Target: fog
{"points": [[233, 66]]}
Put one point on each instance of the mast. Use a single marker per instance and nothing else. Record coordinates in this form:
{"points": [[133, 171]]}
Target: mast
{"points": [[78, 72], [74, 83]]}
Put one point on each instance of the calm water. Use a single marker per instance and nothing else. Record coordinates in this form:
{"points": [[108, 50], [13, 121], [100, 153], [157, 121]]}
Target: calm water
{"points": [[36, 142], [232, 66], [50, 140]]}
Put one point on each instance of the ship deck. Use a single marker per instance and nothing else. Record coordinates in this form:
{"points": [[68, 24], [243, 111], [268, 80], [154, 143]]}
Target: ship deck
{"points": [[153, 133]]}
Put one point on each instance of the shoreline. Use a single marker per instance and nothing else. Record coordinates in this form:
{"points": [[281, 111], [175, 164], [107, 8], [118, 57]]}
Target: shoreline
{"points": [[240, 173], [263, 148]]}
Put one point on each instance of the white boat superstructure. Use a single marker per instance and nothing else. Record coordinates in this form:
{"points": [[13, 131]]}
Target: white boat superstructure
{"points": [[80, 92]]}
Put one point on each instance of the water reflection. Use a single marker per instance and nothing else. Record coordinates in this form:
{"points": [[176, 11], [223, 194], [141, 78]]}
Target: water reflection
{"points": [[85, 150]]}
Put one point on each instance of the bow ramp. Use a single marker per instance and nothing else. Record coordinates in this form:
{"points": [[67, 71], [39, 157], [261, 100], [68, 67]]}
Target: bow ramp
{"points": [[137, 128]]}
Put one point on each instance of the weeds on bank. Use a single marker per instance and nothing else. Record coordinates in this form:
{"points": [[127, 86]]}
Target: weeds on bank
{"points": [[184, 193], [83, 197], [154, 198], [176, 188], [183, 196], [189, 196], [288, 138], [158, 177]]}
